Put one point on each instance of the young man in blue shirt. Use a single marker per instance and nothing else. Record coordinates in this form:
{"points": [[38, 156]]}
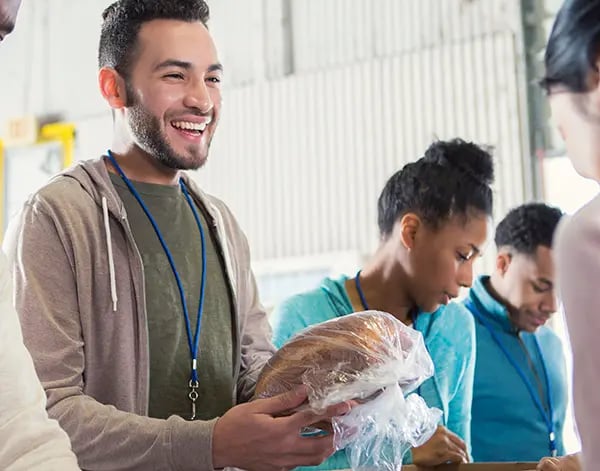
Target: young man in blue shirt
{"points": [[520, 387]]}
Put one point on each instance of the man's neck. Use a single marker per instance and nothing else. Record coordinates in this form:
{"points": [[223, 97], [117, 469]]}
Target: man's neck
{"points": [[142, 167], [494, 287]]}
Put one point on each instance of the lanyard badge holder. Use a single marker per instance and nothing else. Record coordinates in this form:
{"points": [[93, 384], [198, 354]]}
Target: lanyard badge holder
{"points": [[476, 309], [193, 340]]}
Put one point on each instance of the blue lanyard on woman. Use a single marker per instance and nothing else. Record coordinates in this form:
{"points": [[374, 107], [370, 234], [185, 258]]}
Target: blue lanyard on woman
{"points": [[193, 341], [476, 309], [363, 301]]}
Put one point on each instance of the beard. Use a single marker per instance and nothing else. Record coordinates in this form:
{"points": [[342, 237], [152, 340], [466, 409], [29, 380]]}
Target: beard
{"points": [[148, 134]]}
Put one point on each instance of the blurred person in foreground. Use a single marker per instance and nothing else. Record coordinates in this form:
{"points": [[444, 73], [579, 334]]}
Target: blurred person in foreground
{"points": [[572, 82], [29, 440]]}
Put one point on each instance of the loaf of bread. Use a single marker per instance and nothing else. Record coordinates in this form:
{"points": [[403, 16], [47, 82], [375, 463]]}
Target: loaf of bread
{"points": [[350, 357]]}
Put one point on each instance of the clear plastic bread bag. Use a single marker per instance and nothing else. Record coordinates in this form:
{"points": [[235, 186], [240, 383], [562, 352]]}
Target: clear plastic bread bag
{"points": [[369, 357]]}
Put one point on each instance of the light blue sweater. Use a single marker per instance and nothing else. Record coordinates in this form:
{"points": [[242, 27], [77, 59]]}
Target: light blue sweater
{"points": [[506, 424], [449, 336]]}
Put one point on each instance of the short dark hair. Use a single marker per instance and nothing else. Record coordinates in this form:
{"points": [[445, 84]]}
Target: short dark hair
{"points": [[122, 22], [573, 46], [452, 178], [527, 227]]}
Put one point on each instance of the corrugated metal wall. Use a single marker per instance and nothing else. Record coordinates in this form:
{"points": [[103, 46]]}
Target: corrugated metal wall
{"points": [[277, 37], [258, 40], [324, 100], [302, 160], [333, 32]]}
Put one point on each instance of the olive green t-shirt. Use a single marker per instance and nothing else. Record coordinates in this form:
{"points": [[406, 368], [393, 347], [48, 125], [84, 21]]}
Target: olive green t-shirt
{"points": [[170, 359]]}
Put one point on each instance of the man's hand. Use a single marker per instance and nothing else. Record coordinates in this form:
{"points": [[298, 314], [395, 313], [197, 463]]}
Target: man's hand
{"points": [[564, 463], [252, 436], [443, 447]]}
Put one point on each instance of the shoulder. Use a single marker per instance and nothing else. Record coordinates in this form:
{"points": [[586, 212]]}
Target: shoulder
{"points": [[218, 204], [456, 318], [580, 233], [311, 307], [547, 337], [453, 330], [452, 343], [215, 204], [577, 245], [61, 192], [74, 193], [62, 205], [225, 218], [299, 312], [228, 220]]}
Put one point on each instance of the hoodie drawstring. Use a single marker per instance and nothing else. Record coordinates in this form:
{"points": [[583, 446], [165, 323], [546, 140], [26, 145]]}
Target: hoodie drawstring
{"points": [[111, 261]]}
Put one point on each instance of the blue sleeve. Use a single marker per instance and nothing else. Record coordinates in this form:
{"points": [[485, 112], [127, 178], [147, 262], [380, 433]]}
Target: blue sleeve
{"points": [[287, 320], [558, 361], [459, 407], [299, 312]]}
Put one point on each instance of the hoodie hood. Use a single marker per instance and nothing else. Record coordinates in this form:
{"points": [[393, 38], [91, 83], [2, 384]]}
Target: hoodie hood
{"points": [[494, 312], [93, 176]]}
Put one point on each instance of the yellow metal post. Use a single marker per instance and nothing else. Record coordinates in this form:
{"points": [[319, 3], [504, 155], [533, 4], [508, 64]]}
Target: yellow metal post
{"points": [[65, 134]]}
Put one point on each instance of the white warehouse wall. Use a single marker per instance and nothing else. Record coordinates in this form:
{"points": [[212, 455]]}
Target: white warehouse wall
{"points": [[371, 84]]}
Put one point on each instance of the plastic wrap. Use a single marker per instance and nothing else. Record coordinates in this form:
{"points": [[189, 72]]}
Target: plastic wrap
{"points": [[370, 357], [377, 434]]}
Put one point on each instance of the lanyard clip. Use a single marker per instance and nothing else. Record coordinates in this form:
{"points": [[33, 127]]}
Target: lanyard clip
{"points": [[193, 396], [553, 450]]}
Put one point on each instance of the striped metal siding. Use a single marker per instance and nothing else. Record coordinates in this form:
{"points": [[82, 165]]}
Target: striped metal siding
{"points": [[302, 160], [333, 32], [268, 39]]}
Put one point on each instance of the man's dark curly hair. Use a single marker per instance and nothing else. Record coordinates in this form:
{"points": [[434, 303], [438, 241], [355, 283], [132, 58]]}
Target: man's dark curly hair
{"points": [[453, 178], [122, 22], [527, 227]]}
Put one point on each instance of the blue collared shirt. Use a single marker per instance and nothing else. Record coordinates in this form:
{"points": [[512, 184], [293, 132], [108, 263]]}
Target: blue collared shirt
{"points": [[506, 424]]}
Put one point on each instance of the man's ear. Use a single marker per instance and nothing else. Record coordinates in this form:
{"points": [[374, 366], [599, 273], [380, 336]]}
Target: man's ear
{"points": [[503, 261], [112, 87]]}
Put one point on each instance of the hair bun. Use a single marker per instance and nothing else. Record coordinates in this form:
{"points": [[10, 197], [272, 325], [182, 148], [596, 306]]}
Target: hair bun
{"points": [[468, 158]]}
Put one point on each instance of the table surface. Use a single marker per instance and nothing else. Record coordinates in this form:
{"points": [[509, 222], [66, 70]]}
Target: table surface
{"points": [[473, 467], [476, 467]]}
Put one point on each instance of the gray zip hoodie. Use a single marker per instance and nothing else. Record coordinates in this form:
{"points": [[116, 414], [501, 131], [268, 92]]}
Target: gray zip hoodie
{"points": [[79, 291]]}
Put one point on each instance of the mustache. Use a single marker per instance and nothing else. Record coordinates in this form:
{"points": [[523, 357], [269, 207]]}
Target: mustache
{"points": [[193, 112]]}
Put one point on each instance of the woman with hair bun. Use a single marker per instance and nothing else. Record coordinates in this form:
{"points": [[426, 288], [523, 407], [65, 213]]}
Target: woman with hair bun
{"points": [[434, 218]]}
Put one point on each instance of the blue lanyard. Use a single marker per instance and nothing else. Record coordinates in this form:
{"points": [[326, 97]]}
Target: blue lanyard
{"points": [[476, 309], [361, 294], [193, 341], [363, 301]]}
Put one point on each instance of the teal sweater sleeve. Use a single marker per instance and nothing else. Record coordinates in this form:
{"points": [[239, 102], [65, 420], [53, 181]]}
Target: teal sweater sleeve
{"points": [[299, 312], [459, 408]]}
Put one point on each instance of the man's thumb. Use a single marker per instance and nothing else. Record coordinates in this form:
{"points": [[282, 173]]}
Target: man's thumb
{"points": [[282, 404]]}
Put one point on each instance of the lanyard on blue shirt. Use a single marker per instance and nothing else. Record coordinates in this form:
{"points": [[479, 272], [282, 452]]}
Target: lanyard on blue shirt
{"points": [[363, 301], [476, 309], [193, 341]]}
